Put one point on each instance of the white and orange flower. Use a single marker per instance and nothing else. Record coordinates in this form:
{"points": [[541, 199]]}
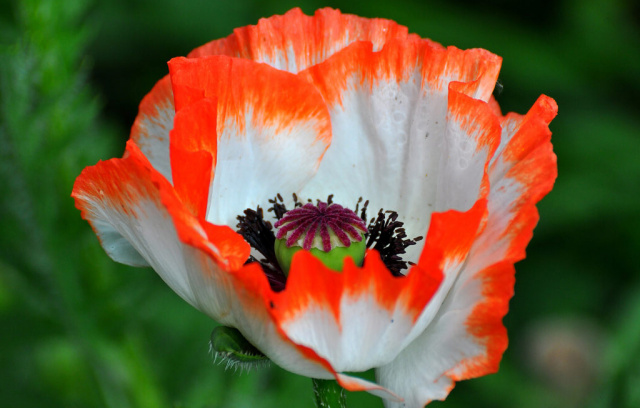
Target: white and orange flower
{"points": [[336, 105]]}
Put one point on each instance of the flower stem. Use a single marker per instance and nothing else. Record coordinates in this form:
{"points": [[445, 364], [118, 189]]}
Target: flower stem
{"points": [[329, 394]]}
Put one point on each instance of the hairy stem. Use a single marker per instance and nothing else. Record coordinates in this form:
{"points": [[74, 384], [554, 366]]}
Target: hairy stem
{"points": [[329, 394]]}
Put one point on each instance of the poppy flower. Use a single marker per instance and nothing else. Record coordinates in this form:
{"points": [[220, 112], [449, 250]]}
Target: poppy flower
{"points": [[334, 109]]}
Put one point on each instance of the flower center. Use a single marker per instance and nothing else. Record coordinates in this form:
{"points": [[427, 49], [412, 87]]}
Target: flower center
{"points": [[384, 233], [330, 231], [323, 226]]}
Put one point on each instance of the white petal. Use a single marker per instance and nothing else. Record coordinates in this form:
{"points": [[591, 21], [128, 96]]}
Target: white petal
{"points": [[357, 319], [150, 131], [272, 130], [294, 41], [392, 140], [466, 338]]}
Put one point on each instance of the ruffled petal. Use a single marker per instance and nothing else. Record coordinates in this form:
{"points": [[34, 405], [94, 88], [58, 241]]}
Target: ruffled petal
{"points": [[420, 373], [255, 321], [364, 317], [393, 115], [135, 204], [356, 319], [466, 338], [193, 151], [294, 41], [272, 130], [471, 138], [427, 368], [291, 42], [123, 205], [522, 172], [201, 262], [150, 131]]}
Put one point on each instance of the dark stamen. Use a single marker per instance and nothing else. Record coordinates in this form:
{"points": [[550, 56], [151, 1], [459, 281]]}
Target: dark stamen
{"points": [[277, 206], [388, 237], [258, 233], [330, 199], [385, 234], [363, 213]]}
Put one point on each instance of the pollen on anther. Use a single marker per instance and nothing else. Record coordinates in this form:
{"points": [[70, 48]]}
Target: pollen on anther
{"points": [[323, 226]]}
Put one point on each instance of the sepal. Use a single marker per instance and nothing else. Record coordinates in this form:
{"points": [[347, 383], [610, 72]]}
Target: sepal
{"points": [[229, 346]]}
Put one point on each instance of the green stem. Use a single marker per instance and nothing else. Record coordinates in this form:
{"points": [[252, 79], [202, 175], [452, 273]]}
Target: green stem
{"points": [[329, 394]]}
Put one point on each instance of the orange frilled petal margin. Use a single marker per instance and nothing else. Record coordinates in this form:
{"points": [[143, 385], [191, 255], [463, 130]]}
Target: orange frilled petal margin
{"points": [[354, 107]]}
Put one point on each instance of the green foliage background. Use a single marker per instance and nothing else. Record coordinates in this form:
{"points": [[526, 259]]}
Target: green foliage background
{"points": [[79, 330]]}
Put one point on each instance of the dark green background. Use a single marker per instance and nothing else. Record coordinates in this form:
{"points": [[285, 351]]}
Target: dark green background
{"points": [[79, 330]]}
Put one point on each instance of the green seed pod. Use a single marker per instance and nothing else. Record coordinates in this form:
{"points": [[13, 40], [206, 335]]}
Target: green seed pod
{"points": [[334, 259], [229, 345], [329, 231]]}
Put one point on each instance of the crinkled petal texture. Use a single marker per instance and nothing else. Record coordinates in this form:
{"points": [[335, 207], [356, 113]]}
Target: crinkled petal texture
{"points": [[342, 105]]}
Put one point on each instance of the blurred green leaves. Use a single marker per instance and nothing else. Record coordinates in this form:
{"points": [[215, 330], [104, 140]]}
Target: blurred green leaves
{"points": [[80, 330]]}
